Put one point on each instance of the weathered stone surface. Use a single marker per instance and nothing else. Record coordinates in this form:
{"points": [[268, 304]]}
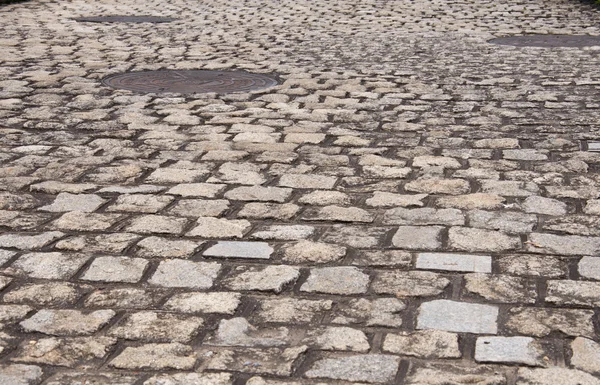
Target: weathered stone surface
{"points": [[252, 250], [533, 265], [418, 237], [29, 242], [540, 322], [551, 376], [156, 327], [516, 350], [199, 208], [209, 227], [81, 221], [140, 203], [273, 361], [424, 216], [200, 190], [563, 244], [116, 269], [454, 262], [336, 280], [472, 201], [342, 214], [589, 267], [70, 202], [442, 374], [283, 232], [468, 239], [67, 322], [47, 294], [409, 283], [276, 211], [291, 310], [373, 368], [190, 379], [545, 206], [76, 378], [567, 292], [238, 332], [152, 247], [179, 273], [156, 357], [507, 222], [458, 317], [128, 298], [300, 181], [338, 339], [423, 344], [389, 258], [20, 374], [384, 199], [378, 312], [325, 198], [439, 186], [49, 265], [65, 351], [501, 288], [354, 236], [270, 278], [157, 224], [313, 252], [222, 303], [259, 193]]}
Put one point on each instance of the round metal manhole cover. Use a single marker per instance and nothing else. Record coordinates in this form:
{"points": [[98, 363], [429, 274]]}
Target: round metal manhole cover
{"points": [[548, 41], [125, 19], [190, 81]]}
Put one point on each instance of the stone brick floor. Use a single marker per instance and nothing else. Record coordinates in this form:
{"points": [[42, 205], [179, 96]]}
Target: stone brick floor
{"points": [[411, 206]]}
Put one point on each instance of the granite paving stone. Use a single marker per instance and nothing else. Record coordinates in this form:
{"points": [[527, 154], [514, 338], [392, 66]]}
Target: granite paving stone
{"points": [[409, 203]]}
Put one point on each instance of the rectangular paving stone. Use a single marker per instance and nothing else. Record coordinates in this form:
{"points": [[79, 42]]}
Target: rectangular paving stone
{"points": [[418, 237], [251, 250], [512, 350], [274, 361], [29, 242], [372, 368], [458, 317], [116, 269], [182, 273], [563, 244], [454, 262]]}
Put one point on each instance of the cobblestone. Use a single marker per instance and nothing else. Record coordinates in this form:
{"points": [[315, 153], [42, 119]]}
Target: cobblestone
{"points": [[409, 204]]}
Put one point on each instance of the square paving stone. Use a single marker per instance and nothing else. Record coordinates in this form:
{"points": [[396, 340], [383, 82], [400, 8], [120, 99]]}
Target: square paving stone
{"points": [[116, 269], [50, 265], [251, 250], [458, 317], [180, 273]]}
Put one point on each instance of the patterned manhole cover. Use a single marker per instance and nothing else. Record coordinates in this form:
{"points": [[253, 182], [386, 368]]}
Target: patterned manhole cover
{"points": [[125, 19], [548, 41], [190, 81]]}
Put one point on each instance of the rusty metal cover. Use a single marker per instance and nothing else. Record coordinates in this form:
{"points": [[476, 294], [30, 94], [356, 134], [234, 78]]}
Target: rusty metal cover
{"points": [[190, 81], [548, 41], [125, 19]]}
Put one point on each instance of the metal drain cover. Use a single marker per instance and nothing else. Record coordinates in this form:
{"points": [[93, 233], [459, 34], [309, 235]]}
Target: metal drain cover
{"points": [[190, 81], [548, 41], [125, 19]]}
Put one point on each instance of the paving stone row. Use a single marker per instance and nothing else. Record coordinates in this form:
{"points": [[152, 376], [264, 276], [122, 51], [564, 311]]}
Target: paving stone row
{"points": [[411, 205]]}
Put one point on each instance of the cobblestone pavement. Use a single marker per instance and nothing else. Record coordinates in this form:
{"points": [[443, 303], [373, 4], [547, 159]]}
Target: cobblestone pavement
{"points": [[412, 205]]}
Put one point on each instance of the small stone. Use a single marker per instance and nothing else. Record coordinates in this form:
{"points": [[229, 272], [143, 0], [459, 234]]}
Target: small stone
{"points": [[336, 280], [79, 221], [313, 181], [54, 187], [501, 288], [140, 203], [378, 312], [6, 255], [418, 237], [424, 216], [251, 250], [592, 207], [383, 199], [156, 357], [46, 294], [338, 213], [291, 310], [86, 378], [271, 278], [368, 368], [11, 313], [454, 262], [567, 292], [29, 242], [209, 227], [472, 201], [49, 265], [589, 267], [533, 265], [446, 374], [70, 202], [389, 258], [124, 298], [150, 224], [409, 283], [258, 210], [116, 269], [512, 350], [67, 322], [423, 344], [508, 222], [156, 327], [69, 352], [468, 239], [156, 247], [509, 188], [458, 317], [338, 339], [114, 243], [20, 374], [325, 198], [283, 232], [181, 273], [238, 332], [355, 236], [174, 175], [313, 252], [563, 244], [220, 303], [201, 190], [586, 355], [188, 379], [540, 322], [545, 206], [553, 376], [275, 361], [439, 186], [259, 193]]}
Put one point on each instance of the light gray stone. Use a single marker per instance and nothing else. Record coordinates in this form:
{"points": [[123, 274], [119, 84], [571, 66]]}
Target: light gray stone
{"points": [[563, 244], [468, 239], [423, 344], [259, 193], [29, 242], [157, 327], [372, 368], [454, 262], [589, 267], [238, 332], [385, 199], [20, 374], [314, 181], [209, 227], [251, 250], [418, 237], [200, 190], [545, 206], [189, 379], [156, 357], [71, 202], [507, 222], [338, 339], [283, 232], [153, 247], [586, 355], [221, 303], [336, 280], [424, 216], [458, 317], [409, 283], [512, 350], [151, 224], [67, 322], [451, 374], [116, 269], [270, 278], [180, 273], [553, 376], [52, 265]]}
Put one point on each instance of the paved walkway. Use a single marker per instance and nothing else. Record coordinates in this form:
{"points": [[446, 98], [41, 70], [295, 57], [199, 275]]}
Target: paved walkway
{"points": [[412, 205]]}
